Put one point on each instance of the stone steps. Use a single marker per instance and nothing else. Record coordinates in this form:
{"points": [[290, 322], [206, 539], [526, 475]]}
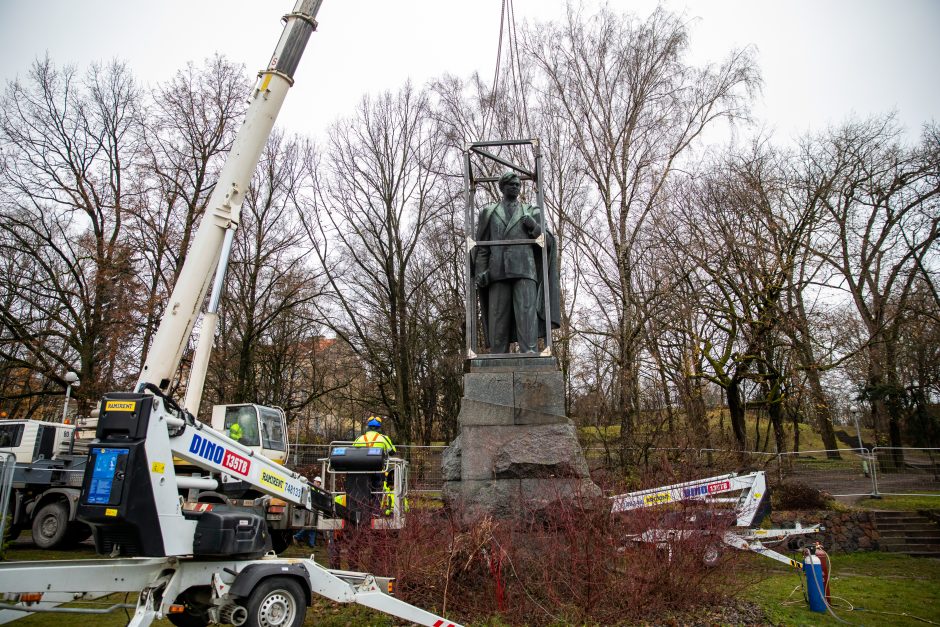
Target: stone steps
{"points": [[927, 550], [902, 530], [907, 532], [934, 539], [897, 514]]}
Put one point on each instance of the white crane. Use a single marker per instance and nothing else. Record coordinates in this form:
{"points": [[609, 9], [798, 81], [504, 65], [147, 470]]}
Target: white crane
{"points": [[213, 566]]}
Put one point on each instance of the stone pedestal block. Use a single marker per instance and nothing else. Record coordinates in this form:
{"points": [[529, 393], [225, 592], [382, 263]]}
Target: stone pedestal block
{"points": [[518, 498], [517, 451]]}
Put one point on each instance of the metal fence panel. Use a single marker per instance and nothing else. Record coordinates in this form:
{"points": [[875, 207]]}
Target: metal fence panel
{"points": [[305, 458], [716, 460], [840, 472], [907, 470], [7, 464]]}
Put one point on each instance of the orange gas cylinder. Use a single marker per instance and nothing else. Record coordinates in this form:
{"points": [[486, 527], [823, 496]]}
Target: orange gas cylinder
{"points": [[824, 560]]}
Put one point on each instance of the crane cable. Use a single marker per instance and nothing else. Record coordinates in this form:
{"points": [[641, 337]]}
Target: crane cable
{"points": [[499, 56], [517, 78], [507, 18]]}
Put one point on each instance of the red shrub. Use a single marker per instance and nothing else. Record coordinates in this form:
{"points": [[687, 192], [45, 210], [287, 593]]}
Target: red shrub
{"points": [[573, 564]]}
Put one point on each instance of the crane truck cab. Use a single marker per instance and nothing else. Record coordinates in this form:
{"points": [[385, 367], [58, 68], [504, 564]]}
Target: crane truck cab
{"points": [[261, 432], [32, 440], [261, 429], [47, 481]]}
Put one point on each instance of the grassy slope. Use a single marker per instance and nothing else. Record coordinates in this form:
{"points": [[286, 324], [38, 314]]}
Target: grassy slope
{"points": [[810, 440], [902, 503], [880, 586]]}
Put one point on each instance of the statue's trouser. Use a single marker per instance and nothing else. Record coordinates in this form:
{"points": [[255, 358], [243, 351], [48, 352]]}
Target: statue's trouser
{"points": [[513, 302]]}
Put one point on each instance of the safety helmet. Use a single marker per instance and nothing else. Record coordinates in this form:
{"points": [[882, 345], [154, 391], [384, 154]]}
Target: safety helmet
{"points": [[374, 421], [317, 479]]}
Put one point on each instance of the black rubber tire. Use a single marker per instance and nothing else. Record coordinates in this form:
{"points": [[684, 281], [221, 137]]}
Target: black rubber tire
{"points": [[280, 539], [50, 525], [277, 602]]}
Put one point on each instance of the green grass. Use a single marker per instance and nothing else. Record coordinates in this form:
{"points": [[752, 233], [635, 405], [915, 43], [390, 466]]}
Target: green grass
{"points": [[902, 503], [881, 588], [867, 589]]}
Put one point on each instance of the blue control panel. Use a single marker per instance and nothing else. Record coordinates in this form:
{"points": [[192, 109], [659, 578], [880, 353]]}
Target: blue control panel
{"points": [[108, 462]]}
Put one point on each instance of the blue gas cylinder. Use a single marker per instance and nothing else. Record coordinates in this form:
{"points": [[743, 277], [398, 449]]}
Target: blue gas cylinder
{"points": [[815, 586]]}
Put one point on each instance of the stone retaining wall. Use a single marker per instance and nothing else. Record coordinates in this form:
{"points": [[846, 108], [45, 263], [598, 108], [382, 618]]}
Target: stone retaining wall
{"points": [[844, 531]]}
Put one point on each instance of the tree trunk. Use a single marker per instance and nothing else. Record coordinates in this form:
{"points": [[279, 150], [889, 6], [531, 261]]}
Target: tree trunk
{"points": [[822, 413], [821, 410], [736, 412]]}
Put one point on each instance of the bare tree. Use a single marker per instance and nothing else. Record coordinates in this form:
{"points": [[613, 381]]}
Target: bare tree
{"points": [[381, 192], [919, 365], [192, 123], [268, 328], [73, 147], [635, 109], [884, 222], [743, 241]]}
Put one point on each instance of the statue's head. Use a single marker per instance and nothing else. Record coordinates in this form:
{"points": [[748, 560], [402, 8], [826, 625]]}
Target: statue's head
{"points": [[511, 180], [509, 177]]}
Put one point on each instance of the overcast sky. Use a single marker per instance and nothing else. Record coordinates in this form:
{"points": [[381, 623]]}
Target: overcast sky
{"points": [[821, 59]]}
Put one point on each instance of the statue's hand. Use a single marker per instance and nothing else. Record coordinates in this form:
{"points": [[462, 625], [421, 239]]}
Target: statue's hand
{"points": [[483, 279], [530, 224]]}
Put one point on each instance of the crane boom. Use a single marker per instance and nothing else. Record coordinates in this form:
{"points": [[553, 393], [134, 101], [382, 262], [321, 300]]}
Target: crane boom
{"points": [[131, 492], [200, 566], [224, 207], [752, 487]]}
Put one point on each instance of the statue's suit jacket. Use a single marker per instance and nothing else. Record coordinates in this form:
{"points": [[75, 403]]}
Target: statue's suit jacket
{"points": [[515, 260], [506, 262]]}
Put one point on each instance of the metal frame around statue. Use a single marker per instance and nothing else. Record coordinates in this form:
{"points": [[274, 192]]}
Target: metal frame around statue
{"points": [[470, 185]]}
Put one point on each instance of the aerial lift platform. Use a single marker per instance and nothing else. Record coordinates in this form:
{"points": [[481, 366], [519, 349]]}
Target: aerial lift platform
{"points": [[214, 565], [749, 497]]}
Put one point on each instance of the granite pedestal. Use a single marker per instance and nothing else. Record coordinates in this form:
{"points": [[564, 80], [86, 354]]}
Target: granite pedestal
{"points": [[517, 453]]}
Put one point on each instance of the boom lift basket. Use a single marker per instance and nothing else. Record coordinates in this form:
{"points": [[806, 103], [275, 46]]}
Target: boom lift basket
{"points": [[358, 459]]}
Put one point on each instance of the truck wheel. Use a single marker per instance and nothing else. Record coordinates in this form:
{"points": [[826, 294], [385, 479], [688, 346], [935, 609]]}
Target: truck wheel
{"points": [[277, 602], [50, 525], [712, 554]]}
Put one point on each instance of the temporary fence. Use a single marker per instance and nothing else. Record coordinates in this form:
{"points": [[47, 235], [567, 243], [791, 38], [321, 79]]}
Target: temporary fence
{"points": [[840, 472], [907, 471], [7, 463], [848, 472], [844, 472]]}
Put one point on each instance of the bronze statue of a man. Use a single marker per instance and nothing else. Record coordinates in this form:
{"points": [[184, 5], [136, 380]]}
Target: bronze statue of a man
{"points": [[509, 278]]}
